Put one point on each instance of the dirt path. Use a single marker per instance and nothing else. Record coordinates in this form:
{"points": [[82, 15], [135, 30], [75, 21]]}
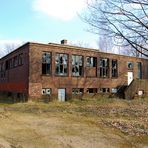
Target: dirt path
{"points": [[80, 124], [19, 130]]}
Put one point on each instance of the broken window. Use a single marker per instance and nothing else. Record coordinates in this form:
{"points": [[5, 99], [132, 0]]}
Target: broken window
{"points": [[91, 61], [104, 90], [77, 91], [77, 65], [46, 91], [104, 67], [46, 63], [61, 64], [114, 68]]}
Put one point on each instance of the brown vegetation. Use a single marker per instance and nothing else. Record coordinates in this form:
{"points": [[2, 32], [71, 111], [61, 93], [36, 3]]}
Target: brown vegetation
{"points": [[99, 122]]}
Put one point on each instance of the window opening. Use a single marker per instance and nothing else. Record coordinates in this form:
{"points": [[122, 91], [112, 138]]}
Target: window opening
{"points": [[46, 63], [61, 64], [77, 65], [114, 68], [104, 67]]}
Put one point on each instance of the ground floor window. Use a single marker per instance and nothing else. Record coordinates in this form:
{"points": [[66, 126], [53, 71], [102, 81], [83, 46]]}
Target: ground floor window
{"points": [[77, 91], [46, 91], [104, 90], [114, 90], [91, 90]]}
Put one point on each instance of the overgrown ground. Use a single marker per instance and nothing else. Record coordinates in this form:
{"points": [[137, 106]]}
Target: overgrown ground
{"points": [[89, 123]]}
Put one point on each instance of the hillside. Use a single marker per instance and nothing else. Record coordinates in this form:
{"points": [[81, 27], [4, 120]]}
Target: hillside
{"points": [[89, 123]]}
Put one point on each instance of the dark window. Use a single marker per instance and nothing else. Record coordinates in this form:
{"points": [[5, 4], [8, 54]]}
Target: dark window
{"points": [[77, 65], [91, 61], [61, 64], [130, 65], [10, 64], [104, 67], [7, 65], [114, 68], [46, 63], [139, 71], [2, 70], [92, 90], [15, 61], [20, 59]]}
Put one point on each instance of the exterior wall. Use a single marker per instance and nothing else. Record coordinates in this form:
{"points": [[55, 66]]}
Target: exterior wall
{"points": [[90, 79], [145, 69], [28, 79], [15, 80]]}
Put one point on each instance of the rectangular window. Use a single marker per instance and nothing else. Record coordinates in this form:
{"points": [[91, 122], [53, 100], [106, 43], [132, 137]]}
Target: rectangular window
{"points": [[92, 90], [114, 90], [77, 91], [114, 69], [20, 59], [15, 61], [3, 70], [77, 65], [61, 64], [46, 63], [104, 90], [7, 65], [104, 67], [46, 91], [91, 61], [139, 70], [11, 63]]}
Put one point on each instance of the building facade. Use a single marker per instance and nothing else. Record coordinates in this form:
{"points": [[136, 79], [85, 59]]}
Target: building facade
{"points": [[61, 71]]}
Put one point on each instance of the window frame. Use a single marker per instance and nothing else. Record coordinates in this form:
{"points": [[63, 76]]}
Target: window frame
{"points": [[46, 63], [73, 65], [103, 69], [116, 75], [94, 64], [64, 75]]}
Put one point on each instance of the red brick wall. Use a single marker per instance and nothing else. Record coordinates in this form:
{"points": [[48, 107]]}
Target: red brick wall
{"points": [[16, 79], [37, 81]]}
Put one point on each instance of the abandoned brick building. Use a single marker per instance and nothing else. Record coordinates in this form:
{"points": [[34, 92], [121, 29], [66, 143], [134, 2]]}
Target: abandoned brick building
{"points": [[62, 71]]}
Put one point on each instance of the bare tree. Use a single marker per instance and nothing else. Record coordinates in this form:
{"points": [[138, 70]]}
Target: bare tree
{"points": [[10, 47], [125, 20], [80, 44], [105, 44]]}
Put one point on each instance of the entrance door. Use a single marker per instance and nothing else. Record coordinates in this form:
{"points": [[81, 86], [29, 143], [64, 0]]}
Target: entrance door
{"points": [[61, 95], [130, 77]]}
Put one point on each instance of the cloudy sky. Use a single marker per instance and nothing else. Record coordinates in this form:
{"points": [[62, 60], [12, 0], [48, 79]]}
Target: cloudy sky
{"points": [[43, 21]]}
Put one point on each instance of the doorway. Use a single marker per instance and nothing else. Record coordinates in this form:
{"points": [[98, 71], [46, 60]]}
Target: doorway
{"points": [[129, 77], [61, 94]]}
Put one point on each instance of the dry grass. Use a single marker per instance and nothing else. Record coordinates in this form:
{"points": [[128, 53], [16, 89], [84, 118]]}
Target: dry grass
{"points": [[90, 123]]}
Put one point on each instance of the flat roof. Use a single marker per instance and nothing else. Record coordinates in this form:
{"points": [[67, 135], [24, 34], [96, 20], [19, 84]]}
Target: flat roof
{"points": [[70, 47]]}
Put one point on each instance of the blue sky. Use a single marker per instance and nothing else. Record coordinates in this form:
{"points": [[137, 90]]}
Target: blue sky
{"points": [[43, 21]]}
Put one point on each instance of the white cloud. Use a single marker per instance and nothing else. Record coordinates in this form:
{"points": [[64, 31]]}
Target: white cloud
{"points": [[60, 9]]}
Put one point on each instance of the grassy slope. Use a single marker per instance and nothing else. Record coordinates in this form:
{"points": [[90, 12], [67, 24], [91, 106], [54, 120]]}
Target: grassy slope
{"points": [[98, 122]]}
